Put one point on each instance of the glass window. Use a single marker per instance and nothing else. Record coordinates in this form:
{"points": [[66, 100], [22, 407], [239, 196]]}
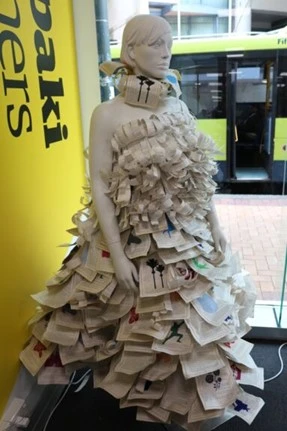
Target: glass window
{"points": [[222, 25], [215, 3], [210, 3], [172, 20], [203, 24], [188, 3], [198, 25], [185, 25], [203, 83]]}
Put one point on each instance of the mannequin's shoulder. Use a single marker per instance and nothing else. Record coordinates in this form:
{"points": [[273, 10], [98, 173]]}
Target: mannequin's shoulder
{"points": [[109, 113], [104, 110]]}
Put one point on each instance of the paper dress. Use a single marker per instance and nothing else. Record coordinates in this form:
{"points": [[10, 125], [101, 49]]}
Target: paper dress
{"points": [[174, 348]]}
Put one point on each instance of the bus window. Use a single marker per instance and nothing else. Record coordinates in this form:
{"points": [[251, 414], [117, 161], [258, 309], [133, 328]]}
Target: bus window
{"points": [[282, 85], [203, 83]]}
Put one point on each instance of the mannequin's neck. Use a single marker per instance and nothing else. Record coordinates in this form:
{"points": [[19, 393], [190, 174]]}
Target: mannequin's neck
{"points": [[138, 72]]}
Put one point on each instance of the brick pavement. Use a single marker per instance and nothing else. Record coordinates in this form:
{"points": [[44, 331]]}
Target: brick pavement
{"points": [[256, 226]]}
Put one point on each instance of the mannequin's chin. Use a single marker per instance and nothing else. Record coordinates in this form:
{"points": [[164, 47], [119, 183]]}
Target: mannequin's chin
{"points": [[154, 75], [158, 75]]}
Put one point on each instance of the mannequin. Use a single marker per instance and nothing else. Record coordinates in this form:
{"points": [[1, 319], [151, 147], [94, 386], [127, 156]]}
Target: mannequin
{"points": [[151, 297], [144, 59]]}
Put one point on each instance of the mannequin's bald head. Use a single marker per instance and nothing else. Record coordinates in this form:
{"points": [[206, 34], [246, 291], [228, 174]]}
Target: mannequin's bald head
{"points": [[142, 30]]}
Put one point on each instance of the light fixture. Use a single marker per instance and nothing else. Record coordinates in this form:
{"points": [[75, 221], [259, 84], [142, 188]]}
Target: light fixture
{"points": [[214, 84], [234, 55], [213, 75]]}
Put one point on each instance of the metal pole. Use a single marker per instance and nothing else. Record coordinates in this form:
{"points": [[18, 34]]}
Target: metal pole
{"points": [[102, 27], [178, 21], [284, 178], [283, 289], [229, 16]]}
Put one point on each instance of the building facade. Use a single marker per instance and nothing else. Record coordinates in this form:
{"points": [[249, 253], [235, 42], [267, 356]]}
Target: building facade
{"points": [[190, 18]]}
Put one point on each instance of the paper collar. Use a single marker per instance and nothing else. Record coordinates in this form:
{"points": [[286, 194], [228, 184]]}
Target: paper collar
{"points": [[139, 90]]}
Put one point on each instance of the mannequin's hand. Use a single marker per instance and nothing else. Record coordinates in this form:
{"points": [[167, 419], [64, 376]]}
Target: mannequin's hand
{"points": [[126, 272], [218, 238]]}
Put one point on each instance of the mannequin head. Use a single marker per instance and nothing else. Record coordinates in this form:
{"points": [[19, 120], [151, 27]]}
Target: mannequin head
{"points": [[146, 45]]}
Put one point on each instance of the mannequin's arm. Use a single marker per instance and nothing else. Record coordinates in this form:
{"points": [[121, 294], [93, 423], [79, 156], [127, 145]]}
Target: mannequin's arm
{"points": [[100, 159], [217, 234]]}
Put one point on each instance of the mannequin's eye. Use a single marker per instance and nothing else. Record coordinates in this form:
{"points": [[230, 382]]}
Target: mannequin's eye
{"points": [[157, 43]]}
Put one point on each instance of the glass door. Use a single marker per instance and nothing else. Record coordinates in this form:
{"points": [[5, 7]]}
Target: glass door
{"points": [[280, 133], [257, 156], [280, 178], [226, 93], [250, 124]]}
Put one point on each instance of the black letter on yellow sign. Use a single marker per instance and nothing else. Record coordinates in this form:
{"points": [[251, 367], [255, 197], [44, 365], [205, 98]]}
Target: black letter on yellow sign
{"points": [[16, 83], [42, 19], [12, 22], [45, 59], [50, 89], [18, 130], [6, 36]]}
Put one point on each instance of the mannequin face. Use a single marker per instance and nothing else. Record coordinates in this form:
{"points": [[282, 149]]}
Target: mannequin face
{"points": [[152, 59]]}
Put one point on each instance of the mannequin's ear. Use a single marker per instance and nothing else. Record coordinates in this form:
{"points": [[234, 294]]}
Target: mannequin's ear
{"points": [[131, 52]]}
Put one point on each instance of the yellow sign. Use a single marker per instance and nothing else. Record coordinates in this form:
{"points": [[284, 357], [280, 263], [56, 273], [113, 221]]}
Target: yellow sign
{"points": [[42, 167], [32, 81]]}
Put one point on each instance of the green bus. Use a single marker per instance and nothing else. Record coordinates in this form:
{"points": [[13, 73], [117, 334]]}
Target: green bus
{"points": [[236, 87]]}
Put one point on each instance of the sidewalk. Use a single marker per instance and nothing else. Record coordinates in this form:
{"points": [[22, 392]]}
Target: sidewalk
{"points": [[256, 226]]}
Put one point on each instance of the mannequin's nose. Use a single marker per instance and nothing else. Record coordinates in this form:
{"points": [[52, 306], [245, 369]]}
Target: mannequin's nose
{"points": [[165, 52]]}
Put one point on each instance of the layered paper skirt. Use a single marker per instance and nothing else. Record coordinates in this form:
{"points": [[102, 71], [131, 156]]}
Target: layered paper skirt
{"points": [[173, 348]]}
